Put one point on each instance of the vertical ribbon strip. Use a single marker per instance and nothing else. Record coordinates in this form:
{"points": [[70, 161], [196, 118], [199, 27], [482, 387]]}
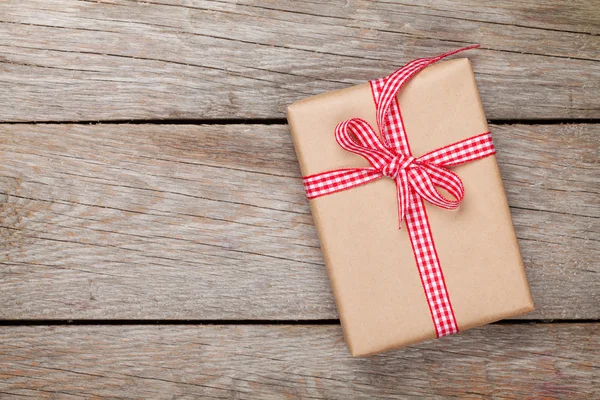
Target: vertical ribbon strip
{"points": [[417, 179]]}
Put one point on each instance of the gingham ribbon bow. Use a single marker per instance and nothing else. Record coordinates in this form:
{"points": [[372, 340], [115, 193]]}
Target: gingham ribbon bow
{"points": [[417, 179], [413, 176]]}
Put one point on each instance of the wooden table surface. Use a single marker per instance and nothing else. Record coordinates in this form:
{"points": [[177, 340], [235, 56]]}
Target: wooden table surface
{"points": [[155, 238]]}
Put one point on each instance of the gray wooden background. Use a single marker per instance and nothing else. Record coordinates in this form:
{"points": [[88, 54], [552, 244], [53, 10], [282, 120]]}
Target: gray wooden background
{"points": [[155, 240]]}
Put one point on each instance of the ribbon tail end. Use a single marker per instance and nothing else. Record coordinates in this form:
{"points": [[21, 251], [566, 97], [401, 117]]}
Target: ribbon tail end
{"points": [[402, 196], [400, 224]]}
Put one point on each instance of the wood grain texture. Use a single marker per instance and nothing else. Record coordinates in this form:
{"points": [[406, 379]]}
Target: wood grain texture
{"points": [[289, 362], [78, 60], [211, 222]]}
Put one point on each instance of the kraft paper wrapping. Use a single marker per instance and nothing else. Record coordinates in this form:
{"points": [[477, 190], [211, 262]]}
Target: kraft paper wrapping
{"points": [[375, 281]]}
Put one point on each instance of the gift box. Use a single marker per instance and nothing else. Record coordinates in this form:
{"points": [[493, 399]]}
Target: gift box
{"points": [[369, 158]]}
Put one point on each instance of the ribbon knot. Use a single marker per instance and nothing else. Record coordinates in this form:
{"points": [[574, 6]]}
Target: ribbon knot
{"points": [[398, 163]]}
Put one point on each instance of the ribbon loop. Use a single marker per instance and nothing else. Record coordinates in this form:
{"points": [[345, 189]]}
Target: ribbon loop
{"points": [[357, 136], [424, 182]]}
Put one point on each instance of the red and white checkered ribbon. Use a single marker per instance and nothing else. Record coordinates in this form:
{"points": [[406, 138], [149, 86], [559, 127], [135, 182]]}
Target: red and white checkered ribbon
{"points": [[417, 179]]}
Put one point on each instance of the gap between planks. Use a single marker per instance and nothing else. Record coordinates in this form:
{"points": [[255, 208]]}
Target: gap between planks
{"points": [[261, 322], [272, 121]]}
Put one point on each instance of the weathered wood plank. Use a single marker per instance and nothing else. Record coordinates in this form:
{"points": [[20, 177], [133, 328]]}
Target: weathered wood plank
{"points": [[86, 60], [211, 222], [274, 362]]}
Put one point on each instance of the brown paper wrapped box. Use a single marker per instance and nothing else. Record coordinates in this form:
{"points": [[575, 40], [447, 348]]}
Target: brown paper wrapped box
{"points": [[375, 281]]}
